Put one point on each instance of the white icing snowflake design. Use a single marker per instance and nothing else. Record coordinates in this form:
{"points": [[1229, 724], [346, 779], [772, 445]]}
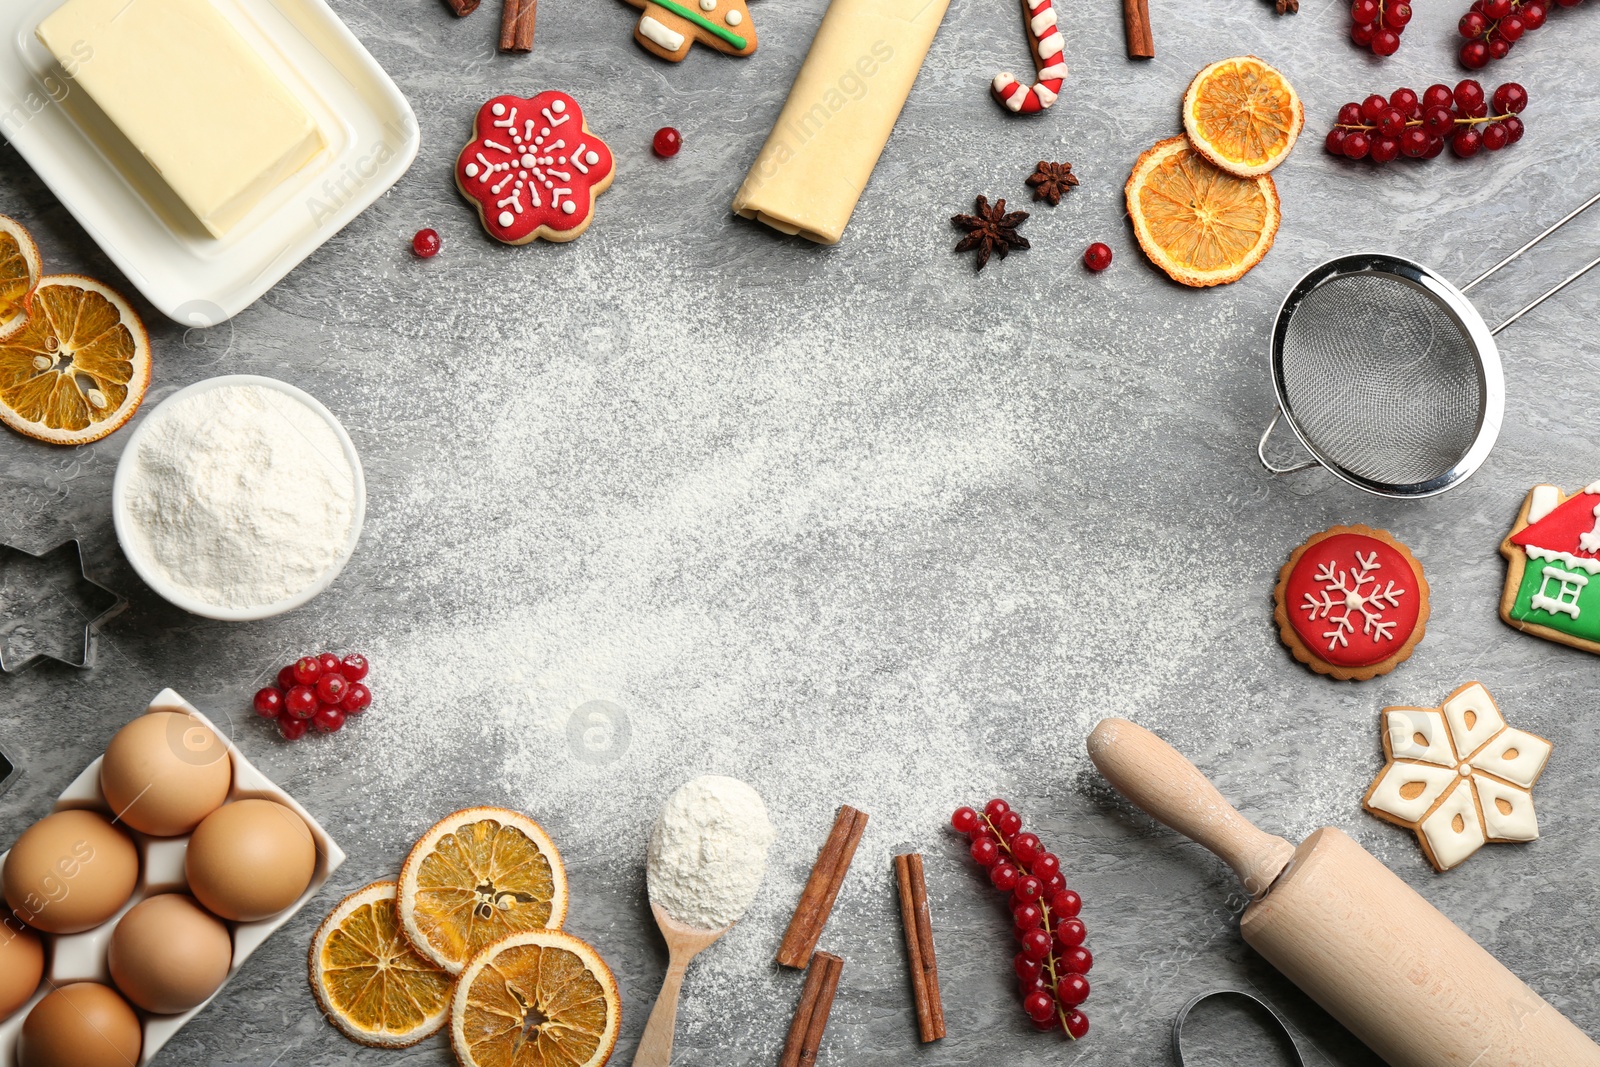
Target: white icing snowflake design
{"points": [[534, 164], [1347, 590]]}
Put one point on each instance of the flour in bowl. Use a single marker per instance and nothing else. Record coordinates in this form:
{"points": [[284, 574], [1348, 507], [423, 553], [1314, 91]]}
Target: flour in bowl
{"points": [[708, 851], [240, 496]]}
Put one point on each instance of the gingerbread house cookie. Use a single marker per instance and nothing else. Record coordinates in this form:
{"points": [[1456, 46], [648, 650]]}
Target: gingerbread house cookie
{"points": [[1553, 550]]}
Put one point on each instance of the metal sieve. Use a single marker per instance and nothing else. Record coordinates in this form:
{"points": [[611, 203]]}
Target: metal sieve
{"points": [[1388, 375]]}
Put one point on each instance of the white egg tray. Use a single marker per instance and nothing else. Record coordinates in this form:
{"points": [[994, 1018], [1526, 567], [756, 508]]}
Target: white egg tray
{"points": [[82, 957]]}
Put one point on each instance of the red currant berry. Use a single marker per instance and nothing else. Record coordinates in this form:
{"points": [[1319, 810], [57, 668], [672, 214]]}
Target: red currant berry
{"points": [[300, 702], [426, 243], [1040, 984], [1365, 10], [1097, 257], [1064, 904], [1077, 1025], [1362, 33], [1510, 99], [1026, 848], [1077, 960], [1046, 864], [1384, 150], [1397, 16], [356, 699], [328, 719], [1009, 824], [1335, 142], [1495, 10], [1407, 101], [1038, 1006], [965, 820], [1438, 96], [286, 678], [1475, 55], [1027, 970], [1438, 121], [1495, 137], [1392, 123], [1435, 147], [1350, 115], [1512, 28], [1044, 1026], [329, 662], [1029, 889], [1499, 48], [1569, 3], [1071, 933], [1472, 25], [269, 702], [332, 688], [985, 852], [307, 669], [1468, 93], [354, 667], [666, 142], [1373, 106], [1072, 990], [1003, 877], [1055, 883], [1385, 43], [1466, 143], [996, 808], [1357, 145], [1026, 916], [1414, 142], [1036, 944], [291, 728], [1533, 15], [1514, 129]]}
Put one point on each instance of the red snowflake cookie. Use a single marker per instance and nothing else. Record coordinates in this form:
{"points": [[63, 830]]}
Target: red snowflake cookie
{"points": [[534, 168], [1351, 603]]}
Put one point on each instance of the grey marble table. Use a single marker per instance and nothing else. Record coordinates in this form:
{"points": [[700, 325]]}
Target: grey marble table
{"points": [[858, 525]]}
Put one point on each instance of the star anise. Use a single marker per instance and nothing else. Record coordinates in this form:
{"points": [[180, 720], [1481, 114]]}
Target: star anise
{"points": [[1051, 181], [990, 229]]}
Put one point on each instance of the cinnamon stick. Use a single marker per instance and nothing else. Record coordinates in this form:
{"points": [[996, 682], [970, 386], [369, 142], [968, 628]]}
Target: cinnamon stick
{"points": [[1141, 43], [919, 946], [516, 25], [463, 7], [822, 888], [811, 1017]]}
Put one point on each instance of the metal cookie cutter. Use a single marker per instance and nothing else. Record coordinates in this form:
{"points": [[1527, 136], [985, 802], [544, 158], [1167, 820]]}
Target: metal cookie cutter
{"points": [[50, 608], [1183, 1014]]}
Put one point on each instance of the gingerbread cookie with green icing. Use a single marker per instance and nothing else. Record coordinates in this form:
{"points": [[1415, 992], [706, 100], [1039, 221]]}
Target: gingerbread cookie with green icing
{"points": [[669, 28], [1553, 582]]}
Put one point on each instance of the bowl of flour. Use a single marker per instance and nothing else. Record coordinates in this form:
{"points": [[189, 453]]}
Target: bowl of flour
{"points": [[238, 498]]}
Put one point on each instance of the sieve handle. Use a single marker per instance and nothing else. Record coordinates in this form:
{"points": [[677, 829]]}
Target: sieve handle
{"points": [[1261, 449]]}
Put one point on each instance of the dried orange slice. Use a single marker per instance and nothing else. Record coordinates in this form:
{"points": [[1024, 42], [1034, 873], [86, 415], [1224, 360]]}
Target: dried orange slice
{"points": [[475, 877], [78, 367], [540, 998], [1243, 115], [19, 273], [1201, 225], [369, 980]]}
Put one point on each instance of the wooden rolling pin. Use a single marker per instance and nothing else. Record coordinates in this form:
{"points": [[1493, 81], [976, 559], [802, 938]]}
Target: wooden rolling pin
{"points": [[1347, 931]]}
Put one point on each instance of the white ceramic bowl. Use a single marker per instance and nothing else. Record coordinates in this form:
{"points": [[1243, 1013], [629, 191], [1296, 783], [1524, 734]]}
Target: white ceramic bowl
{"points": [[124, 521]]}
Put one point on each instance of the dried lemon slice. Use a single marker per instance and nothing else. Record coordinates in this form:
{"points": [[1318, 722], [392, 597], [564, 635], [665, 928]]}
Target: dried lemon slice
{"points": [[19, 273], [1243, 115], [1200, 224], [475, 877], [369, 980], [78, 367], [540, 998]]}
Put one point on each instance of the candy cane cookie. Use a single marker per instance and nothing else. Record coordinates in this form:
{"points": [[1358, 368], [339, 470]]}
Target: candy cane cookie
{"points": [[1045, 37]]}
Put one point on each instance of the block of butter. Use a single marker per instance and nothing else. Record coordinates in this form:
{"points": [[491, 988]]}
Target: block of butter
{"points": [[191, 95]]}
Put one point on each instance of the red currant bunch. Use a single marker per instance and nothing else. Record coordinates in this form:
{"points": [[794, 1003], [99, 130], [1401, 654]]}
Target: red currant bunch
{"points": [[1052, 965], [316, 692], [1419, 127], [1491, 27], [1378, 24]]}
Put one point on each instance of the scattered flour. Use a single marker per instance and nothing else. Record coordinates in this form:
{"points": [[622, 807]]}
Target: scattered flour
{"points": [[240, 496], [709, 851]]}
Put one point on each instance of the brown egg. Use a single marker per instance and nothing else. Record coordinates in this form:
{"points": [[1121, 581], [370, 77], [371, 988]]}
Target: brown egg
{"points": [[164, 772], [70, 872], [169, 954], [250, 859], [80, 1025], [21, 965]]}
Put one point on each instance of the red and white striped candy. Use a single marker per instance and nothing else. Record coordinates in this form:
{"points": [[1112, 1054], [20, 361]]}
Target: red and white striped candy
{"points": [[1045, 37]]}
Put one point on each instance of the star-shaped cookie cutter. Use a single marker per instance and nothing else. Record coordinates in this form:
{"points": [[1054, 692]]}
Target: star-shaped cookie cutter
{"points": [[29, 608]]}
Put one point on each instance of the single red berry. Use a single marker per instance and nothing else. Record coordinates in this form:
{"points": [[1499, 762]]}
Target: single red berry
{"points": [[286, 678], [426, 243], [1064, 904], [1475, 55], [1385, 43], [1472, 25], [1026, 848], [964, 821], [330, 663], [1438, 121], [1365, 10], [307, 669], [328, 719], [1466, 143], [666, 142], [1397, 16], [1097, 257], [985, 852], [996, 808], [1009, 823], [1046, 864], [269, 702], [1039, 1006], [1435, 147], [1035, 944], [331, 688], [1003, 877], [1077, 1025], [1077, 960], [1373, 106], [1495, 137], [1438, 96], [1407, 100], [1468, 93], [1514, 129], [1071, 933], [1072, 990], [1026, 915], [1499, 47], [1027, 970], [1495, 10], [1362, 33], [1533, 15], [356, 699], [1392, 123], [1039, 984], [1350, 115], [1510, 99], [1028, 889], [291, 728], [354, 666], [1054, 884], [1384, 150], [1414, 142], [300, 702], [1335, 142], [1357, 145], [1512, 28], [1044, 1026]]}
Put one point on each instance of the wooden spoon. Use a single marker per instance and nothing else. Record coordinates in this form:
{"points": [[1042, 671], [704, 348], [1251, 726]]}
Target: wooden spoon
{"points": [[684, 943]]}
